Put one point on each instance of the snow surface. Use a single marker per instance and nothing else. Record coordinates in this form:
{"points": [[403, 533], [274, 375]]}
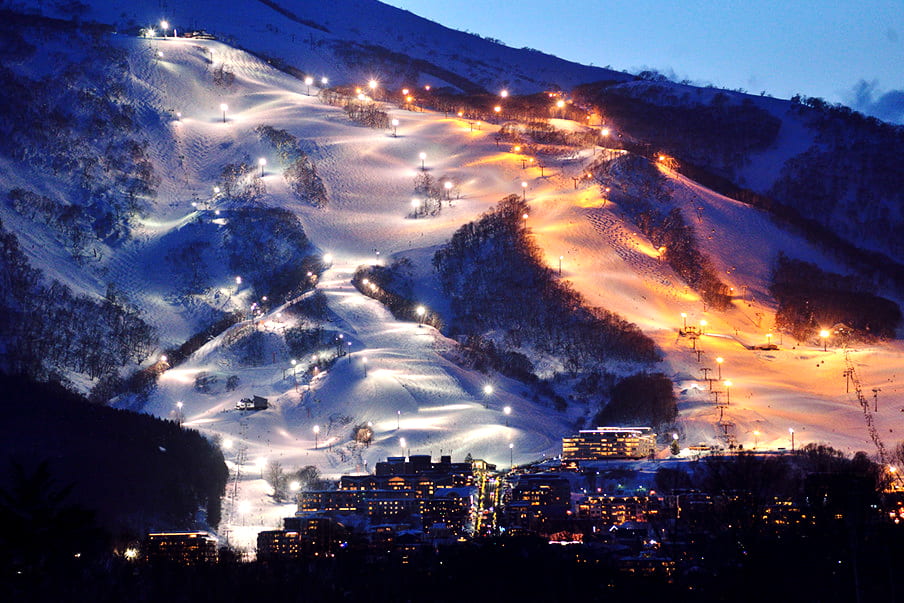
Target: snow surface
{"points": [[412, 388]]}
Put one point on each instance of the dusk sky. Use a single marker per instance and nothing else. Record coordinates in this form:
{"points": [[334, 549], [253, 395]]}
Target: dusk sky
{"points": [[850, 52]]}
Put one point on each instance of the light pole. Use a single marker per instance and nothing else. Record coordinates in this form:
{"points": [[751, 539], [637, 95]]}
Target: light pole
{"points": [[398, 424], [511, 456], [164, 26], [420, 315], [791, 431], [180, 416], [719, 361], [825, 336], [224, 107], [507, 411], [487, 392], [728, 385], [307, 82], [316, 436], [876, 391], [448, 186], [262, 162], [561, 257], [768, 339], [423, 157], [523, 190], [756, 439], [364, 364], [324, 81], [703, 324], [684, 318], [395, 126]]}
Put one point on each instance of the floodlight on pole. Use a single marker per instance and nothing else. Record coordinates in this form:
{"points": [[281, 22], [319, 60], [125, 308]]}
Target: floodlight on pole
{"points": [[262, 162], [224, 107]]}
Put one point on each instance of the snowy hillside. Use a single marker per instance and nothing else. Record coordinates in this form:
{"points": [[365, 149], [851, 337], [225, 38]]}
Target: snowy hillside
{"points": [[351, 41], [397, 376]]}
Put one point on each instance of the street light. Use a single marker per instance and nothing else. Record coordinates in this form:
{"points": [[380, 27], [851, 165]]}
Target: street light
{"points": [[703, 323], [523, 190], [224, 107], [756, 439], [316, 436], [423, 157], [511, 456], [507, 411], [768, 339], [448, 186], [728, 385], [307, 82], [324, 81], [825, 335], [504, 94], [719, 361], [364, 364], [164, 26], [262, 162], [561, 257], [395, 126], [684, 318], [420, 315], [791, 431], [487, 392]]}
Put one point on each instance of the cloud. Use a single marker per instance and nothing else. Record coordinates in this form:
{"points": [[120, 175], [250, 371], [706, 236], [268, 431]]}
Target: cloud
{"points": [[867, 98]]}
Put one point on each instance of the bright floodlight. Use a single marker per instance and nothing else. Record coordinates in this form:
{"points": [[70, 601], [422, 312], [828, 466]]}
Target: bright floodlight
{"points": [[447, 185], [224, 107], [324, 81], [179, 405], [309, 80], [487, 389], [605, 131], [227, 444], [523, 184], [415, 203], [262, 161], [560, 104], [164, 25], [823, 333], [422, 155], [420, 310], [238, 280], [244, 507], [395, 123], [504, 94], [328, 258], [294, 485], [507, 410], [162, 358], [316, 428], [372, 84]]}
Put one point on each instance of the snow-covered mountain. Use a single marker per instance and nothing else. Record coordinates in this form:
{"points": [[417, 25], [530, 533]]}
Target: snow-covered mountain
{"points": [[351, 41], [127, 137]]}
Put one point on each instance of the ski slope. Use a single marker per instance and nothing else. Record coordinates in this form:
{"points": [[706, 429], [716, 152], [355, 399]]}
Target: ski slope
{"points": [[402, 377]]}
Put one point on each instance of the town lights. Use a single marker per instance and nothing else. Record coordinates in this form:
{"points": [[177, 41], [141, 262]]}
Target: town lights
{"points": [[224, 107]]}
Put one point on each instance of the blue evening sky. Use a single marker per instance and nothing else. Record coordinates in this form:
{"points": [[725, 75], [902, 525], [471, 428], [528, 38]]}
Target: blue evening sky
{"points": [[843, 51]]}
